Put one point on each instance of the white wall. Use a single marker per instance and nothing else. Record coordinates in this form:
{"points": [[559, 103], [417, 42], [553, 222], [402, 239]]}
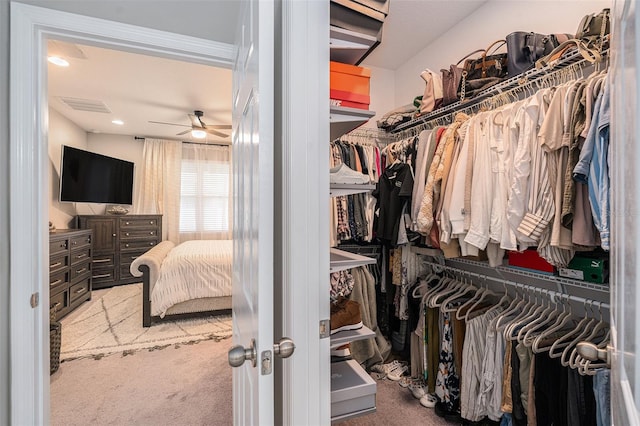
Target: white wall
{"points": [[382, 90], [62, 131], [493, 21], [117, 146]]}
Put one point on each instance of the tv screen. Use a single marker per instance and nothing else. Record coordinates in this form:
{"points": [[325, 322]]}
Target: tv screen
{"points": [[93, 178]]}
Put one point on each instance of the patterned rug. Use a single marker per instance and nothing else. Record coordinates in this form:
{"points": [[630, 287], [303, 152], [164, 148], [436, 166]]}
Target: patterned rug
{"points": [[112, 323]]}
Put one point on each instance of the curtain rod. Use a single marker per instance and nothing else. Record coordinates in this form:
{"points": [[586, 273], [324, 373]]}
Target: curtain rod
{"points": [[139, 138], [555, 293]]}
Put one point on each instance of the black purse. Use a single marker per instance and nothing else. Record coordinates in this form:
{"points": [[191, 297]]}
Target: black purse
{"points": [[525, 48]]}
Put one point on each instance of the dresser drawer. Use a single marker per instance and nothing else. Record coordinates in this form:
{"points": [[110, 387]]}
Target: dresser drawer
{"points": [[80, 289], [103, 260], [103, 275], [80, 255], [80, 270], [58, 263], [138, 223], [79, 241], [58, 246], [58, 282], [58, 303], [138, 234], [137, 245]]}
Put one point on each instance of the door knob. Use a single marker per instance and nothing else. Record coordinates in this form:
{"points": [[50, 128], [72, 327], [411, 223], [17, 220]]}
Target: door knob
{"points": [[239, 354], [284, 348]]}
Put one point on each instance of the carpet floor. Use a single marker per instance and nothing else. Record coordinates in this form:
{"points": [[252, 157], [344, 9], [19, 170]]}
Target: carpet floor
{"points": [[112, 322]]}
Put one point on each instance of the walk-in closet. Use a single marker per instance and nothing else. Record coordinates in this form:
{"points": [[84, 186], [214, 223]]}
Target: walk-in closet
{"points": [[471, 218]]}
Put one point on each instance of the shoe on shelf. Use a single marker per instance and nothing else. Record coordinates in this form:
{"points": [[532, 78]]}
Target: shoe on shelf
{"points": [[343, 174], [428, 400], [345, 315], [397, 372], [341, 351]]}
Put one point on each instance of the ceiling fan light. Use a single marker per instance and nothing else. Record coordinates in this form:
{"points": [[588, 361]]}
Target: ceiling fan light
{"points": [[198, 134]]}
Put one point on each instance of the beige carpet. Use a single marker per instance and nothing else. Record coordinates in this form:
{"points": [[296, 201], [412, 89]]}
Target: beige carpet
{"points": [[112, 323]]}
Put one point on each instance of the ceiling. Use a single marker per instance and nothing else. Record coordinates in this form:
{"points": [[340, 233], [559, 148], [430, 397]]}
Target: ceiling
{"points": [[138, 89], [412, 25]]}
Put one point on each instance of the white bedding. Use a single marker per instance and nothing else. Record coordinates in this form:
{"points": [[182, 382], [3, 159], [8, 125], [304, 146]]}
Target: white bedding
{"points": [[192, 270]]}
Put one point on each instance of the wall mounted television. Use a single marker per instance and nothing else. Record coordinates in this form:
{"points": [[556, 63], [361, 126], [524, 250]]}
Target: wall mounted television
{"points": [[88, 177]]}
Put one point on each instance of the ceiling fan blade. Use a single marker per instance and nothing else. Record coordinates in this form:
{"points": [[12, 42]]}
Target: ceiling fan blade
{"points": [[195, 121], [217, 133], [183, 133], [218, 126], [170, 124]]}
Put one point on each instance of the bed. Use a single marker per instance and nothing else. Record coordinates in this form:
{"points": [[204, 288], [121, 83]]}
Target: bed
{"points": [[187, 280]]}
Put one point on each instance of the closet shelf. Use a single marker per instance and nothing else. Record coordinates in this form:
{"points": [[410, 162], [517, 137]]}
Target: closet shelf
{"points": [[353, 391], [341, 189], [573, 58], [349, 47], [341, 260], [343, 119], [347, 336], [548, 278]]}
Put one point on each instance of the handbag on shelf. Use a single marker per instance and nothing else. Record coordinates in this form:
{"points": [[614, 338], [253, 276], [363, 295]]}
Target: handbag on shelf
{"points": [[451, 79], [525, 48], [595, 25], [432, 97], [587, 50], [484, 72]]}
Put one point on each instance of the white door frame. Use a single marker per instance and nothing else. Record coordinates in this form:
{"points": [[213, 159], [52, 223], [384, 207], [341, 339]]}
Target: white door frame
{"points": [[31, 26]]}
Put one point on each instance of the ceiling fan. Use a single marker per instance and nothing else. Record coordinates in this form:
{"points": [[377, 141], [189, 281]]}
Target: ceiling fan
{"points": [[198, 128]]}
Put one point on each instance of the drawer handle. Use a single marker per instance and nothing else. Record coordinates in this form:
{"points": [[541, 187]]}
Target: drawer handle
{"points": [[101, 276], [55, 306], [127, 223], [56, 282], [55, 265], [81, 256], [63, 245], [151, 233], [150, 222], [127, 234], [101, 260], [151, 244], [81, 270], [126, 245], [75, 243], [80, 290], [113, 235]]}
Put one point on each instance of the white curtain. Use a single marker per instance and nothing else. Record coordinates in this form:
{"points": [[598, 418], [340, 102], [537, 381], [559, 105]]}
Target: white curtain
{"points": [[205, 201], [158, 187]]}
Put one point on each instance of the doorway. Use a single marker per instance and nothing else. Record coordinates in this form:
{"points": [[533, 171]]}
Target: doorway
{"points": [[31, 28]]}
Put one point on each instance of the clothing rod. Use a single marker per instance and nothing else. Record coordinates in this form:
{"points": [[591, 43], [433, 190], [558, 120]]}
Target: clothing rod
{"points": [[139, 138], [520, 81], [518, 285]]}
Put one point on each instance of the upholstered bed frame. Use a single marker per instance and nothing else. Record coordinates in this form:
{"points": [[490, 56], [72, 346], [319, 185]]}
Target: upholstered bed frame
{"points": [[148, 266]]}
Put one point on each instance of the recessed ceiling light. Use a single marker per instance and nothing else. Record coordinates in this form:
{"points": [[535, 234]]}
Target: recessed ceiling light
{"points": [[58, 61], [198, 134], [118, 122]]}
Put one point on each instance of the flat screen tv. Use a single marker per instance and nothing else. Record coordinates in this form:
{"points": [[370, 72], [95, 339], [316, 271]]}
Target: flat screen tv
{"points": [[93, 178]]}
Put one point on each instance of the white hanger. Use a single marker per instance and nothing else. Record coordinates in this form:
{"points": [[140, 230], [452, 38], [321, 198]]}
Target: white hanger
{"points": [[598, 330], [565, 340], [561, 322], [517, 303], [517, 321], [547, 319], [464, 290], [539, 315]]}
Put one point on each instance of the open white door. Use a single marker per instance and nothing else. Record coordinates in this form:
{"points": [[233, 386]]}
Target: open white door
{"points": [[253, 203], [625, 217]]}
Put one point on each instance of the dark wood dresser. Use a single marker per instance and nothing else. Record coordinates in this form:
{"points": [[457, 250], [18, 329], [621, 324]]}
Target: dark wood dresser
{"points": [[70, 255], [118, 240]]}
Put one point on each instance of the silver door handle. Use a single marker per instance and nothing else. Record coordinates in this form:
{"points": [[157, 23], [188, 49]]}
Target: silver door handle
{"points": [[284, 348], [238, 354]]}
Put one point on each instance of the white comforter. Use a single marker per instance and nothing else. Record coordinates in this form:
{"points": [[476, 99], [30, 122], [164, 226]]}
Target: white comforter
{"points": [[192, 270]]}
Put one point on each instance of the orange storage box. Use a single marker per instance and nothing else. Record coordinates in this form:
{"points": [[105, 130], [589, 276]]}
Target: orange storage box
{"points": [[349, 85]]}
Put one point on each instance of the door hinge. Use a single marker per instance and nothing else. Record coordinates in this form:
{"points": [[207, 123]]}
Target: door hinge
{"points": [[35, 300], [325, 328]]}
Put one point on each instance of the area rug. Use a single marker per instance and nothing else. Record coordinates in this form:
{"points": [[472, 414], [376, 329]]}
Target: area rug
{"points": [[112, 323]]}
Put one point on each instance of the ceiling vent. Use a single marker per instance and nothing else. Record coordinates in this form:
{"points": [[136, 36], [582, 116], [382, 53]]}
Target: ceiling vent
{"points": [[85, 105]]}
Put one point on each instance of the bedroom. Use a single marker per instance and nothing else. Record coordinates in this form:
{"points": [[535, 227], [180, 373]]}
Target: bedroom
{"points": [[137, 89]]}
